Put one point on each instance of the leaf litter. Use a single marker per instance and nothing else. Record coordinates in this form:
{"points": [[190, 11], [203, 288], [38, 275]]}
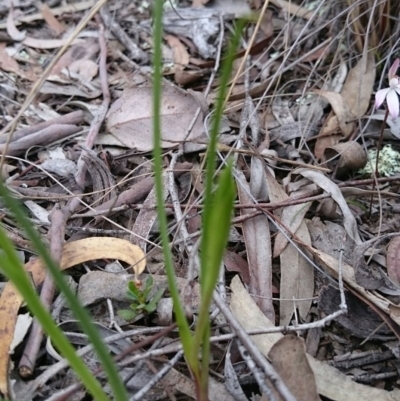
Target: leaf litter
{"points": [[301, 125]]}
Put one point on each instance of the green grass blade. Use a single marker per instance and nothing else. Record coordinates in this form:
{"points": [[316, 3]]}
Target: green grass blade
{"points": [[217, 118], [182, 323], [12, 267], [214, 240], [80, 313]]}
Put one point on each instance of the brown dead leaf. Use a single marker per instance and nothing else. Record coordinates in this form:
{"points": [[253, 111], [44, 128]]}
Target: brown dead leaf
{"points": [[329, 186], [147, 216], [297, 279], [258, 247], [184, 78], [9, 64], [130, 117], [12, 30], [328, 136], [291, 218], [330, 382], [393, 259], [86, 51], [342, 110], [85, 70], [50, 19], [288, 357], [351, 157], [179, 53], [361, 320], [73, 253], [71, 90], [358, 87], [199, 3], [297, 274], [235, 263], [48, 43]]}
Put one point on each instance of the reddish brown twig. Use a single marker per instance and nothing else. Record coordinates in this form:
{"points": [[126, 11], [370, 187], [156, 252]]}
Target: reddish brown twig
{"points": [[74, 118], [44, 137]]}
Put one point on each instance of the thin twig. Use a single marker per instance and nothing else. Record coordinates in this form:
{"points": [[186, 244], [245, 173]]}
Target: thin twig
{"points": [[255, 353], [256, 372], [158, 377]]}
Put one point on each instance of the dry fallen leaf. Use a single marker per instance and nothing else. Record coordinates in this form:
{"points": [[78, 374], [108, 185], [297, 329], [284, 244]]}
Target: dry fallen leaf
{"points": [[291, 218], [328, 136], [351, 157], [179, 52], [297, 280], [341, 109], [297, 274], [147, 217], [12, 30], [359, 84], [82, 52], [9, 64], [130, 117], [235, 263], [329, 186], [50, 19], [330, 382], [73, 253], [258, 246], [288, 357], [393, 259]]}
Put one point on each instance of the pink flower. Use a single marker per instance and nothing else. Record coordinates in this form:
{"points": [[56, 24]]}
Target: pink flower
{"points": [[390, 94]]}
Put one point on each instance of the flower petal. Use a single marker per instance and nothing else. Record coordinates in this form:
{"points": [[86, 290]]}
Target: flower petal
{"points": [[392, 101], [393, 68], [380, 97]]}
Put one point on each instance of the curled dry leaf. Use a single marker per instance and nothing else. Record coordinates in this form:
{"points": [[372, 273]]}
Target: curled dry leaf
{"points": [[354, 101], [341, 109], [12, 30], [76, 53], [235, 263], [329, 186], [351, 157], [328, 136], [179, 52], [393, 259], [130, 117], [73, 253]]}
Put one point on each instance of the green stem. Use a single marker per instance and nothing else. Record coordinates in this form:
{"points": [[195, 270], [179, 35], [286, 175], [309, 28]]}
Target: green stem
{"points": [[182, 323]]}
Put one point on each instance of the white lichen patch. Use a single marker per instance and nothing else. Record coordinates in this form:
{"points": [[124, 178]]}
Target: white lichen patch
{"points": [[388, 163]]}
